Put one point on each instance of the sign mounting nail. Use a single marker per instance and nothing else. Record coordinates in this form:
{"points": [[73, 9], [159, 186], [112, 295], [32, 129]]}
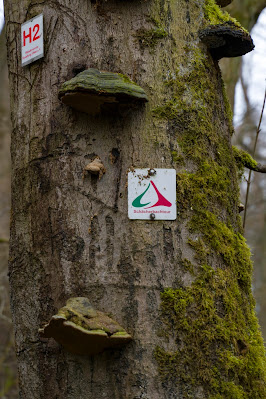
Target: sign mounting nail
{"points": [[32, 40], [152, 192]]}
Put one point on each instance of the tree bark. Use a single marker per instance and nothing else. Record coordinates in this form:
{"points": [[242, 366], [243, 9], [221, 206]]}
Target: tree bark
{"points": [[71, 236], [8, 367]]}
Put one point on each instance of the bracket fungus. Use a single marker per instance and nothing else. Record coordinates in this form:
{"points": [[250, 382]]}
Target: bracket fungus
{"points": [[95, 167], [83, 330], [241, 207], [226, 40], [91, 90], [223, 3]]}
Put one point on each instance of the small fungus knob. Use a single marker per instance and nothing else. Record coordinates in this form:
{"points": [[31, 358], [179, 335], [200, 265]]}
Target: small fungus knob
{"points": [[241, 207], [95, 167]]}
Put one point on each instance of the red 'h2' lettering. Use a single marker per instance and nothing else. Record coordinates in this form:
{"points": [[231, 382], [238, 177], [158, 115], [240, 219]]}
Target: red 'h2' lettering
{"points": [[26, 37], [36, 29]]}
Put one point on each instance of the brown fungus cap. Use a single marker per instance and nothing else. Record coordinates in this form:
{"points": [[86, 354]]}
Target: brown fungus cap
{"points": [[83, 330], [91, 91], [226, 40], [223, 3]]}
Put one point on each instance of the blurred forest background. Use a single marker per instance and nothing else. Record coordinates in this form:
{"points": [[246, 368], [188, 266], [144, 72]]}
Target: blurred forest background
{"points": [[245, 85]]}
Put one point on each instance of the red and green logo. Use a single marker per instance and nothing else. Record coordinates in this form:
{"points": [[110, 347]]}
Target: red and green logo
{"points": [[161, 200]]}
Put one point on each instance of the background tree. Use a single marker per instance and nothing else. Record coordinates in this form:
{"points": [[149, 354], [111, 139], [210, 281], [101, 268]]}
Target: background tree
{"points": [[71, 236]]}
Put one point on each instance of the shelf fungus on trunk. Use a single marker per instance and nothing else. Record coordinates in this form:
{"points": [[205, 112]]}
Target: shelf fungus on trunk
{"points": [[226, 40], [83, 330], [223, 3], [241, 207], [92, 90]]}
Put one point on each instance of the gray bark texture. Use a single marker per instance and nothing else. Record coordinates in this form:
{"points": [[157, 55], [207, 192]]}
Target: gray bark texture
{"points": [[70, 236], [8, 367]]}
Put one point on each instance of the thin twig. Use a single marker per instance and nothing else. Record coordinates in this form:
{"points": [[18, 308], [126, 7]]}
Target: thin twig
{"points": [[253, 155]]}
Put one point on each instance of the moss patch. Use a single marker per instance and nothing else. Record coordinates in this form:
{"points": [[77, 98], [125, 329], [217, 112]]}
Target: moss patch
{"points": [[150, 37], [243, 159], [215, 16], [228, 109], [177, 158]]}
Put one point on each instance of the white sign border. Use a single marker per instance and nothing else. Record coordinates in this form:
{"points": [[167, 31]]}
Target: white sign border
{"points": [[145, 173], [41, 29]]}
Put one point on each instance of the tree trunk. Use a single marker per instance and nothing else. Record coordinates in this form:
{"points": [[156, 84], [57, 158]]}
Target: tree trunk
{"points": [[181, 288]]}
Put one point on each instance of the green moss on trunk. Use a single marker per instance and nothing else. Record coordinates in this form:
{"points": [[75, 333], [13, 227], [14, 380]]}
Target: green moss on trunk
{"points": [[213, 320], [243, 159], [214, 15], [150, 37]]}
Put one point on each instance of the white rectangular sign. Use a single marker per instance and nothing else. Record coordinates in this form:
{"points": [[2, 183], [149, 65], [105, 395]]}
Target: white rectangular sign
{"points": [[152, 194], [32, 40]]}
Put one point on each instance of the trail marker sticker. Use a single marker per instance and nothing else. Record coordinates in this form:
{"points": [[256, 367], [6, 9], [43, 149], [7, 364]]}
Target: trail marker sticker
{"points": [[152, 194], [32, 40]]}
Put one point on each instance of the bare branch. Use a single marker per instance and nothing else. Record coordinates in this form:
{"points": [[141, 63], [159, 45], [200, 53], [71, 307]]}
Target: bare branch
{"points": [[254, 150], [258, 168]]}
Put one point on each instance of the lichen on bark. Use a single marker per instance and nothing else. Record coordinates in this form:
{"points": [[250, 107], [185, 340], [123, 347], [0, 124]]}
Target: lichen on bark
{"points": [[91, 89], [83, 330], [103, 83], [150, 37]]}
